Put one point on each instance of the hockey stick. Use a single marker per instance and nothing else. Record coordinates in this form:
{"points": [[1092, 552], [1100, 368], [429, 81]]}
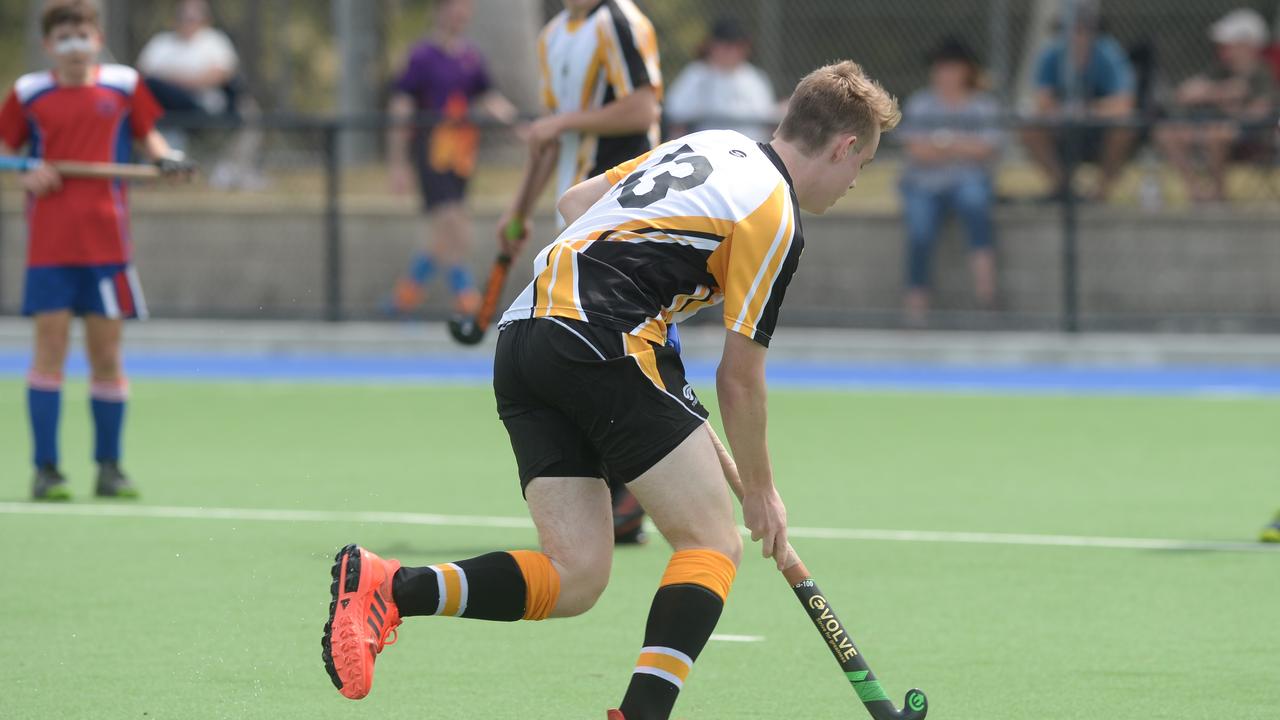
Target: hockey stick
{"points": [[851, 661], [83, 169], [470, 330]]}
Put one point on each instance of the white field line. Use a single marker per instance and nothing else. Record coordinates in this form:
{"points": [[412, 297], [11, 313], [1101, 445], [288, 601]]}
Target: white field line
{"points": [[489, 521]]}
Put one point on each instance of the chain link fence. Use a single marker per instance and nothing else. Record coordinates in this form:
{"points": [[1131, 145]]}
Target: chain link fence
{"points": [[284, 224]]}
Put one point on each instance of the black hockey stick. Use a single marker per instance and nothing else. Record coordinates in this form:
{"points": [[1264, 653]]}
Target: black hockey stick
{"points": [[847, 655], [855, 666]]}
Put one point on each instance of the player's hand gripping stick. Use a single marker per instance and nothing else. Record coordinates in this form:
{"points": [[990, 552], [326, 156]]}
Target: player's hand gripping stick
{"points": [[829, 626]]}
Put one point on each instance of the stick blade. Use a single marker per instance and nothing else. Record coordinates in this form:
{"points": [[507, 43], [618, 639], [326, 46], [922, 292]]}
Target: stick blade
{"points": [[465, 330], [915, 706]]}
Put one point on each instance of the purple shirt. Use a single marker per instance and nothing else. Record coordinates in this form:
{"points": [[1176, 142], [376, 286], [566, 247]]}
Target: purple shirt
{"points": [[434, 77]]}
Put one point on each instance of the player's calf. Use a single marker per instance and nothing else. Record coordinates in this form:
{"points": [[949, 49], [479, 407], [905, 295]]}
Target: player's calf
{"points": [[686, 497], [684, 612]]}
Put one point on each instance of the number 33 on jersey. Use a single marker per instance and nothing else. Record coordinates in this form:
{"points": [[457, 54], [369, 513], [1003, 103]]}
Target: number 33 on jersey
{"points": [[708, 218]]}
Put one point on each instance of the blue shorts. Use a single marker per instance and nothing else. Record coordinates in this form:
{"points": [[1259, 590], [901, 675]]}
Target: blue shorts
{"points": [[109, 290]]}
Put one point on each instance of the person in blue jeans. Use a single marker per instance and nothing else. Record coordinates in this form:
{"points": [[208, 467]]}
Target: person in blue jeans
{"points": [[952, 136]]}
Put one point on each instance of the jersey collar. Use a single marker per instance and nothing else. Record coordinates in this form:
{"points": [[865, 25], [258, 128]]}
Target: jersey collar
{"points": [[772, 154]]}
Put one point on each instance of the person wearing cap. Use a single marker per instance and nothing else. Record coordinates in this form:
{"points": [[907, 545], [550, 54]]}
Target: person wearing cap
{"points": [[952, 136], [721, 90], [1103, 81], [1236, 89]]}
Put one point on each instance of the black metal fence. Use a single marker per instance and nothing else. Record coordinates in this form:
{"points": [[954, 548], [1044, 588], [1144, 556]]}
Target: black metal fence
{"points": [[317, 236]]}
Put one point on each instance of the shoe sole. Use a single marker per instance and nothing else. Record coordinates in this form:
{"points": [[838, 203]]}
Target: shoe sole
{"points": [[346, 579], [54, 496], [118, 495]]}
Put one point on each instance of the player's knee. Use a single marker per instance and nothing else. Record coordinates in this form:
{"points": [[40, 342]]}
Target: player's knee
{"points": [[731, 547], [49, 360], [579, 593], [106, 369], [582, 582]]}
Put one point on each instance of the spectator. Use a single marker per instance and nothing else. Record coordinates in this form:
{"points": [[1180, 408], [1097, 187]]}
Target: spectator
{"points": [[444, 75], [1237, 88], [1105, 82], [951, 134], [721, 90], [190, 69]]}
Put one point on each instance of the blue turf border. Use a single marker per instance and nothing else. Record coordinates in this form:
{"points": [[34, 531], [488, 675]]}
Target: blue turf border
{"points": [[477, 369]]}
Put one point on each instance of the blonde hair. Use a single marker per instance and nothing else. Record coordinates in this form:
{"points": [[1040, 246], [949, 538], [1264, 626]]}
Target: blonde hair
{"points": [[835, 99]]}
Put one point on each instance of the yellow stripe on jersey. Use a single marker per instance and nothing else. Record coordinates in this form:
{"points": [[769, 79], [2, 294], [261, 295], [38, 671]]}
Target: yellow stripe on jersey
{"points": [[544, 66], [608, 52], [641, 351], [644, 40], [591, 79], [564, 291], [558, 285], [747, 264], [615, 174]]}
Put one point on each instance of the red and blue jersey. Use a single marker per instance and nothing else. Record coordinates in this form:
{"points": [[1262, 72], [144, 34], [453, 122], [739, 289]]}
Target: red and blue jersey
{"points": [[87, 221]]}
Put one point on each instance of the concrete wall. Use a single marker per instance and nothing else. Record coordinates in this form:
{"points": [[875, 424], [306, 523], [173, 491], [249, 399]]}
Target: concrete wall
{"points": [[1135, 269]]}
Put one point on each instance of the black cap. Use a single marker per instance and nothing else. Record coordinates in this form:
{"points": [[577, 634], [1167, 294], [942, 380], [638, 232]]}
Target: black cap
{"points": [[728, 29], [952, 49]]}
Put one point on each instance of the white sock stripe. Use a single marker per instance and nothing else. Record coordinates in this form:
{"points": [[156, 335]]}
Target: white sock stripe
{"points": [[440, 589], [670, 652], [462, 589], [660, 673]]}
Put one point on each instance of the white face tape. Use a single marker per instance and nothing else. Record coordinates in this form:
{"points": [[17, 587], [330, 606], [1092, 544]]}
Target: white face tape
{"points": [[74, 45]]}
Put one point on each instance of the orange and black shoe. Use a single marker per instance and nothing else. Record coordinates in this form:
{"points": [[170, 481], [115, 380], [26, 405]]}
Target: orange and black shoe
{"points": [[363, 619]]}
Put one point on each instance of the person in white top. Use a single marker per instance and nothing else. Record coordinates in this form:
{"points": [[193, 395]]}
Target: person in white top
{"points": [[192, 64], [722, 90]]}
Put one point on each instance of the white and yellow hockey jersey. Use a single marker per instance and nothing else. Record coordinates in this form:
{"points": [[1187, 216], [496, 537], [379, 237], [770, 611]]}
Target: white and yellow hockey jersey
{"points": [[708, 218], [588, 64]]}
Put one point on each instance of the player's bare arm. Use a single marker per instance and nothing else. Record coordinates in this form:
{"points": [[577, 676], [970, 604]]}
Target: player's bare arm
{"points": [[740, 386], [539, 166], [635, 113], [581, 197], [497, 106]]}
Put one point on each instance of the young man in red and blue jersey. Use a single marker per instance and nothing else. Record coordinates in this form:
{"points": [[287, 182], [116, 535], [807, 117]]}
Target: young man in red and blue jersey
{"points": [[78, 252]]}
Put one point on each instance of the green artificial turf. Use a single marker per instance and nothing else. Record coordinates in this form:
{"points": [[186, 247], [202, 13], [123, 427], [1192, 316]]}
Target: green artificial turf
{"points": [[126, 617]]}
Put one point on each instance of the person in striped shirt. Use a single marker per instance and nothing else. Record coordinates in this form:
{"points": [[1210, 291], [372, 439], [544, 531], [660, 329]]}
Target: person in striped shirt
{"points": [[601, 88]]}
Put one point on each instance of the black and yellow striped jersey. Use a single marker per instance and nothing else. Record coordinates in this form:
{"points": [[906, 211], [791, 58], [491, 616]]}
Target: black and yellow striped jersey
{"points": [[589, 63], [706, 219]]}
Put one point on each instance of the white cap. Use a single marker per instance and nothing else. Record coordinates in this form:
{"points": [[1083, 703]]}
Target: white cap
{"points": [[1243, 25]]}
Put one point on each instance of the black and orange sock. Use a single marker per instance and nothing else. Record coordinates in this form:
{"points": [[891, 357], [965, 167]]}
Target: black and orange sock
{"points": [[506, 586], [684, 612]]}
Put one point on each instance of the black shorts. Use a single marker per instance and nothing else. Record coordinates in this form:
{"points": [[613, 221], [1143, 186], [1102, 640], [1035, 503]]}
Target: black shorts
{"points": [[577, 405], [437, 188]]}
